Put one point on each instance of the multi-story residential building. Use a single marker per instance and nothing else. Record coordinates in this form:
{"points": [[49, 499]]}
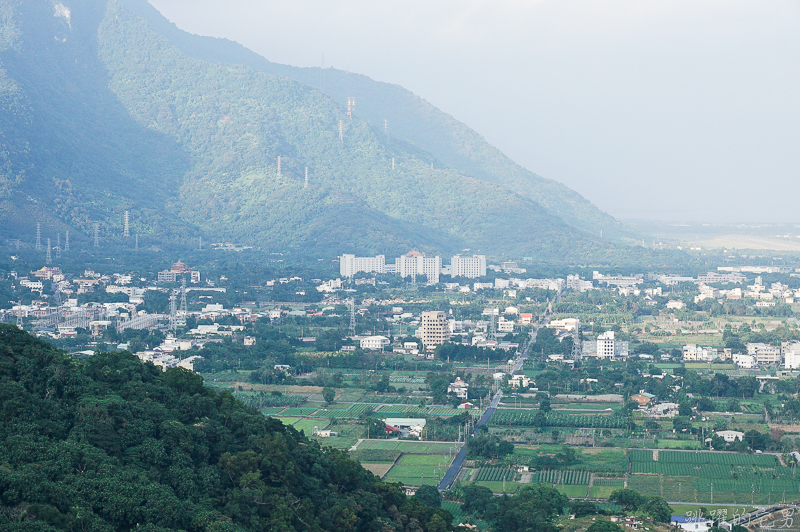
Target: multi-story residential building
{"points": [[434, 329], [469, 267], [724, 278], [605, 345], [349, 265], [791, 355], [693, 353], [415, 263], [764, 354]]}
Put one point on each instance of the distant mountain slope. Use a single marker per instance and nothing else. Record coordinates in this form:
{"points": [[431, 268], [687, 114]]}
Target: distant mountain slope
{"points": [[101, 114], [411, 119]]}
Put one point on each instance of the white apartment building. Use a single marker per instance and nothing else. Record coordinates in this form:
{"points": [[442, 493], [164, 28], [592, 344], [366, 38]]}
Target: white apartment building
{"points": [[415, 263], [349, 265], [469, 267], [605, 345], [434, 329], [504, 325], [713, 277], [574, 282], [791, 356], [764, 353]]}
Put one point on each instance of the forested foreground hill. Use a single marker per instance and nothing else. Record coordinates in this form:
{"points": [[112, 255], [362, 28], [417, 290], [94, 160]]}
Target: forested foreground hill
{"points": [[112, 444], [100, 114]]}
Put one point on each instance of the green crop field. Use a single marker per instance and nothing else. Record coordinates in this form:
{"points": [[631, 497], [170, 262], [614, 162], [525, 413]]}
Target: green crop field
{"points": [[307, 425], [601, 492], [272, 410], [375, 455], [706, 477], [455, 509], [287, 420], [497, 487], [609, 482], [493, 474], [525, 418], [424, 459], [573, 491], [299, 411], [423, 447], [556, 476]]}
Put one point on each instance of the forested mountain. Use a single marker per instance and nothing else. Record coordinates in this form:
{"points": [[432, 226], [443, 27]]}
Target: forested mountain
{"points": [[102, 111], [112, 444]]}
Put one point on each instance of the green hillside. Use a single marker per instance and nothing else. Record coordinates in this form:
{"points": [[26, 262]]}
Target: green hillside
{"points": [[411, 120], [112, 444], [101, 114]]}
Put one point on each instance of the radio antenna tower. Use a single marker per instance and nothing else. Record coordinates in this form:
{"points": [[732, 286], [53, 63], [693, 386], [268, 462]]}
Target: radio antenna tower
{"points": [[352, 317], [351, 105], [49, 258], [305, 184], [126, 232], [96, 235], [38, 236], [279, 167], [66, 241], [341, 136]]}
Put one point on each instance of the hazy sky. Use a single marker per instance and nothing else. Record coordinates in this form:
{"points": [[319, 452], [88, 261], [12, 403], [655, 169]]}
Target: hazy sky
{"points": [[672, 110]]}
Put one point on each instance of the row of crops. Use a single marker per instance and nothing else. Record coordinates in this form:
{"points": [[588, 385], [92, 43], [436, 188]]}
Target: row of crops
{"points": [[698, 490], [704, 457], [557, 476], [709, 470], [609, 482], [557, 419], [494, 474]]}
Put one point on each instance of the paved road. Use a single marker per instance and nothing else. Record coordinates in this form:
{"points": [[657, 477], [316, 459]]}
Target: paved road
{"points": [[455, 467]]}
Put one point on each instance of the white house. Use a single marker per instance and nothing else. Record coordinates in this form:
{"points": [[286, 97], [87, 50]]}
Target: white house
{"points": [[730, 435], [744, 361], [459, 388], [518, 380], [374, 343]]}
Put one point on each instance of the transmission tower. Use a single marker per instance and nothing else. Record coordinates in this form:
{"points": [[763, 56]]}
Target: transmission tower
{"points": [[19, 318], [351, 105], [96, 235], [66, 241], [305, 184], [353, 317], [38, 236], [386, 127], [49, 258], [492, 328], [577, 348], [200, 243], [126, 231], [16, 243], [279, 167], [173, 312], [58, 247], [136, 243], [180, 320], [341, 131], [392, 164]]}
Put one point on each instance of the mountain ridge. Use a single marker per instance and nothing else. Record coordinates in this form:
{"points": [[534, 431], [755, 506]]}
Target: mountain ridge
{"points": [[103, 114]]}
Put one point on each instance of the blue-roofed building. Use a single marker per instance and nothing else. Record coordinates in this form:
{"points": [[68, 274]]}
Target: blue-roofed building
{"points": [[690, 523]]}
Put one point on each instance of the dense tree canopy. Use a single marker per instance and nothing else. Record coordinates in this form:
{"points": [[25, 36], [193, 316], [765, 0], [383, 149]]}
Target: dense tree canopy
{"points": [[115, 444]]}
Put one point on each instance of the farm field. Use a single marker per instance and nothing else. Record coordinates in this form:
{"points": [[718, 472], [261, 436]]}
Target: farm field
{"points": [[423, 447], [572, 490], [525, 418], [349, 433], [601, 492], [497, 486], [707, 477], [307, 425]]}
